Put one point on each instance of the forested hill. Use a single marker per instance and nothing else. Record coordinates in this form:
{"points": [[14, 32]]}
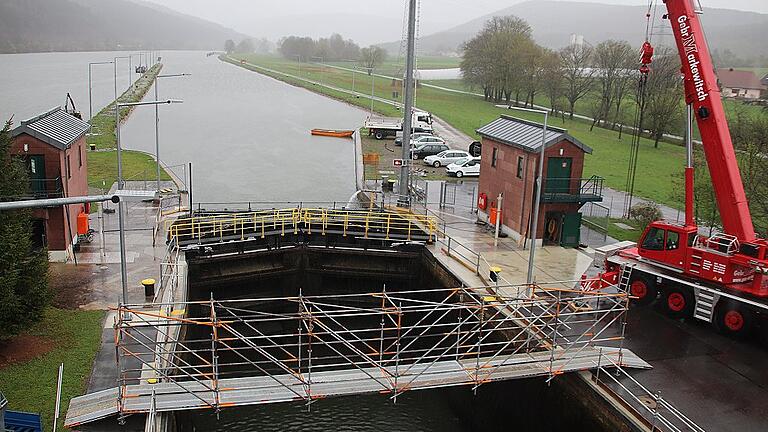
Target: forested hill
{"points": [[742, 33], [93, 25]]}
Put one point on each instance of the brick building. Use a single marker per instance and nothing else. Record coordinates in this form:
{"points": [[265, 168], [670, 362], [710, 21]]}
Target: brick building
{"points": [[510, 160], [53, 147]]}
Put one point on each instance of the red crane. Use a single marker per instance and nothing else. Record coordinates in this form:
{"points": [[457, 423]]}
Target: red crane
{"points": [[721, 279]]}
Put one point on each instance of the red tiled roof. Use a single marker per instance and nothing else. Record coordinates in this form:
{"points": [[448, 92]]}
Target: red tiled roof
{"points": [[739, 79]]}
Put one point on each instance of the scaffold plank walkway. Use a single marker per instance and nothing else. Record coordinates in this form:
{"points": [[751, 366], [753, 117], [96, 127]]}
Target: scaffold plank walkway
{"points": [[284, 388]]}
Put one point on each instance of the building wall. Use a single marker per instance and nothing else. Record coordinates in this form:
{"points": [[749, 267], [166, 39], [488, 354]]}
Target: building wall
{"points": [[741, 93], [59, 234], [519, 192]]}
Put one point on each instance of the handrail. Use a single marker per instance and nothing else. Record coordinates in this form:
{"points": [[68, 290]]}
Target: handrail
{"points": [[320, 220]]}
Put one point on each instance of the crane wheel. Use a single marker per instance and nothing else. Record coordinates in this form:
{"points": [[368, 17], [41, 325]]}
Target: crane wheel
{"points": [[643, 291], [678, 303], [733, 320]]}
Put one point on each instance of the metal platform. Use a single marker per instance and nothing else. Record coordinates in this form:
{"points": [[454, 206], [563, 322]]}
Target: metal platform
{"points": [[176, 396]]}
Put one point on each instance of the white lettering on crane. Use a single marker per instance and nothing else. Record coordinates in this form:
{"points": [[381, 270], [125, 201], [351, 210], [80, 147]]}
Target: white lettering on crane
{"points": [[691, 50]]}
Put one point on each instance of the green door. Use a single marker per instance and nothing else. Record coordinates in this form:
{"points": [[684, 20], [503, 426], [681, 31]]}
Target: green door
{"points": [[36, 167], [571, 231], [558, 179]]}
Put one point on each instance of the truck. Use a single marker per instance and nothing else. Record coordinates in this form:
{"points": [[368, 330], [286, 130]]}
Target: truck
{"points": [[721, 279], [383, 127]]}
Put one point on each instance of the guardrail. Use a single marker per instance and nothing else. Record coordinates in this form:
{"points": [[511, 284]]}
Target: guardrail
{"points": [[573, 189], [362, 223]]}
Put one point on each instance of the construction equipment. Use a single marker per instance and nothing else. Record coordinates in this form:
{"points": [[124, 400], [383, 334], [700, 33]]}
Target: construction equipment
{"points": [[722, 279]]}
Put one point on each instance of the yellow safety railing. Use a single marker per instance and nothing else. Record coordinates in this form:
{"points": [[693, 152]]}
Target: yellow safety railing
{"points": [[364, 223]]}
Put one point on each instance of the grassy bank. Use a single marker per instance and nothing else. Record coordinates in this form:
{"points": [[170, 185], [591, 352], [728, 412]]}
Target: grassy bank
{"points": [[73, 337], [102, 164], [467, 113]]}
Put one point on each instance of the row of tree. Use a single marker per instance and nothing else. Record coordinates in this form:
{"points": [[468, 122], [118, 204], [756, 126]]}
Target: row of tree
{"points": [[505, 61], [327, 49], [248, 46]]}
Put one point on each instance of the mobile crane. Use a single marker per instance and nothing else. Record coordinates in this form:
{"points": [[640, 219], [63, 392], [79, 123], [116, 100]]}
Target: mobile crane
{"points": [[722, 279]]}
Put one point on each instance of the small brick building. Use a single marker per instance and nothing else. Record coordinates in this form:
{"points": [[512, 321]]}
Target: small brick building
{"points": [[510, 160], [53, 147]]}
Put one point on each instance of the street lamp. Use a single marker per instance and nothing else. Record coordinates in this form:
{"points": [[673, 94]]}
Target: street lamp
{"points": [[121, 186], [539, 187], [90, 87], [157, 123], [115, 63]]}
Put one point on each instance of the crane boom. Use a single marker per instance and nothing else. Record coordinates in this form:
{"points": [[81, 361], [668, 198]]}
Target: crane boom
{"points": [[703, 92]]}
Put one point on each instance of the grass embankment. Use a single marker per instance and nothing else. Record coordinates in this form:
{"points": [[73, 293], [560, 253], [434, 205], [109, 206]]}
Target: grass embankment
{"points": [[657, 166], [102, 164], [75, 337]]}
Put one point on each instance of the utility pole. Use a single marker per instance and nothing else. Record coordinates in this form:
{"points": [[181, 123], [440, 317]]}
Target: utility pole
{"points": [[404, 197]]}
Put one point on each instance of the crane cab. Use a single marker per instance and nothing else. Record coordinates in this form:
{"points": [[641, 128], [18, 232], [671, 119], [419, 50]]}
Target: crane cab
{"points": [[667, 243]]}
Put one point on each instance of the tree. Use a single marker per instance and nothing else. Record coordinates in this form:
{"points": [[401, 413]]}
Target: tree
{"points": [[612, 59], [663, 109], [23, 270], [229, 46], [501, 58], [578, 76], [749, 131], [371, 57], [552, 79], [245, 46]]}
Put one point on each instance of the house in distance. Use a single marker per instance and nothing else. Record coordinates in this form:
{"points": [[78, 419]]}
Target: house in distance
{"points": [[510, 158]]}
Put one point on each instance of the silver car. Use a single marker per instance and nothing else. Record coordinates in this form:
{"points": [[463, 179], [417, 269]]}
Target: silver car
{"points": [[446, 158]]}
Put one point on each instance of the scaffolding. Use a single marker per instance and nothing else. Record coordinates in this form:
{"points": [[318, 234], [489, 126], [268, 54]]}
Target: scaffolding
{"points": [[304, 348]]}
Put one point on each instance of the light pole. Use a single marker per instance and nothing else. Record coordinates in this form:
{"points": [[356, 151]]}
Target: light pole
{"points": [[115, 64], [404, 194], [157, 123], [370, 72], [539, 188], [120, 184], [90, 87]]}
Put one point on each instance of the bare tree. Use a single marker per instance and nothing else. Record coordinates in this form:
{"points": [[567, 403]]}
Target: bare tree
{"points": [[663, 96], [611, 59], [371, 57], [553, 81], [578, 74]]}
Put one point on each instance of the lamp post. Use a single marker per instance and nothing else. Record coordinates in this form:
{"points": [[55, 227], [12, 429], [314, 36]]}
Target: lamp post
{"points": [[157, 123], [90, 86], [120, 184], [115, 64], [539, 188]]}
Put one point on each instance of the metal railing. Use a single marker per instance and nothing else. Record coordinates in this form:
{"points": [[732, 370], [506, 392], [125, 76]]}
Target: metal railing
{"points": [[573, 189], [657, 412], [373, 224], [46, 188]]}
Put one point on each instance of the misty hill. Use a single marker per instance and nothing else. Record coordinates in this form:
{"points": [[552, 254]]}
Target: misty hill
{"points": [[743, 33], [95, 25]]}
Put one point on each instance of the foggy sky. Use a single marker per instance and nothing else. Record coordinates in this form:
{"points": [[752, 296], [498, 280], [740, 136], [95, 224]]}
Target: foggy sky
{"points": [[365, 21]]}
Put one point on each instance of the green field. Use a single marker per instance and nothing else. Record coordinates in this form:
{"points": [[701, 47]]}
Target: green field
{"points": [[102, 165], [467, 113], [31, 386]]}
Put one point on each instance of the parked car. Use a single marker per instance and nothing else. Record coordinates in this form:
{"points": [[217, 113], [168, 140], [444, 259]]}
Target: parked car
{"points": [[464, 167], [431, 139], [446, 158], [424, 150], [415, 135]]}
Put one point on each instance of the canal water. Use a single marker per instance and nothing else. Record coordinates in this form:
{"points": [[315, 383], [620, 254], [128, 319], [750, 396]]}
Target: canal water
{"points": [[247, 135]]}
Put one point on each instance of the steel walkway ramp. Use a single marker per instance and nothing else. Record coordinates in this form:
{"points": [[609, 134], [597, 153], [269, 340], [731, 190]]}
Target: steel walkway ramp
{"points": [[179, 396]]}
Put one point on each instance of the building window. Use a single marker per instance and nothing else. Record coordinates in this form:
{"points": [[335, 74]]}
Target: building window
{"points": [[494, 157], [519, 167], [80, 154], [69, 171]]}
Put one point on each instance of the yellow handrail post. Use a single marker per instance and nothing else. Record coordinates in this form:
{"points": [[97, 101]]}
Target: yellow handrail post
{"points": [[389, 221]]}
